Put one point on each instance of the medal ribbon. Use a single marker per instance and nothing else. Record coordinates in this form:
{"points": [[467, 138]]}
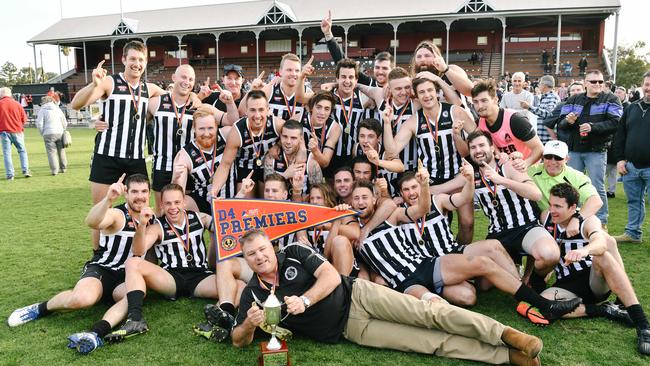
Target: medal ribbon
{"points": [[435, 132], [250, 132], [346, 114], [316, 235], [186, 241], [214, 158], [486, 182], [399, 117], [179, 120], [277, 281], [321, 141], [286, 103], [136, 103]]}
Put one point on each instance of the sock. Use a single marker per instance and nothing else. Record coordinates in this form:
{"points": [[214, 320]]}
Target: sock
{"points": [[638, 316], [228, 308], [594, 310], [525, 293], [102, 328], [135, 299], [537, 282], [42, 309]]}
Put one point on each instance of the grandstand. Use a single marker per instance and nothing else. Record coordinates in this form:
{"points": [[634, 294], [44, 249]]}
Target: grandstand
{"points": [[508, 34]]}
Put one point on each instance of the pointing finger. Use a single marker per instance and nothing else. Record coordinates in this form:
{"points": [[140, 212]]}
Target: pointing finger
{"points": [[261, 75], [99, 65], [311, 59], [121, 178], [207, 81], [218, 88], [250, 175], [329, 15]]}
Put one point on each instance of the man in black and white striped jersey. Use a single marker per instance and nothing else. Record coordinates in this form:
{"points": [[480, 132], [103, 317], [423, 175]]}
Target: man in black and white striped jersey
{"points": [[119, 144], [102, 278], [508, 198]]}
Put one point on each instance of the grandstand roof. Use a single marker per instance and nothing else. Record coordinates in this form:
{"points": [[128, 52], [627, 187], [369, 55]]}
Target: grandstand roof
{"points": [[268, 14]]}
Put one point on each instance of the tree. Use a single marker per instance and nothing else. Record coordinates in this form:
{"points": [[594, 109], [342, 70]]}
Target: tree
{"points": [[8, 74], [632, 64]]}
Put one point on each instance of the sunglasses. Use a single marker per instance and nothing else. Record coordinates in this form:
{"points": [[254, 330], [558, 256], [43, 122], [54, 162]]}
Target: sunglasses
{"points": [[553, 157], [232, 67], [596, 81]]}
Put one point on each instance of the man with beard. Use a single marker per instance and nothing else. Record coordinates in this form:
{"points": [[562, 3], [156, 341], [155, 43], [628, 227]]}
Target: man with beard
{"points": [[102, 278], [589, 270], [172, 119], [437, 129], [177, 237], [290, 156], [322, 131], [343, 181], [507, 197], [119, 145], [427, 57], [248, 141], [232, 79], [509, 130], [199, 159], [349, 109]]}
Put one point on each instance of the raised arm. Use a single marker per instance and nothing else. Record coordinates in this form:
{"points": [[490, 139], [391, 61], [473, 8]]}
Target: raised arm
{"points": [[517, 181], [102, 216], [303, 96], [146, 233], [181, 168], [99, 88], [395, 144], [453, 201], [233, 143]]}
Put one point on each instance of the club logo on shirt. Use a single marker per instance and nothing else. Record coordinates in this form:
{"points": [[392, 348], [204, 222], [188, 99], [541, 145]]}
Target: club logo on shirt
{"points": [[507, 137], [445, 114], [167, 106], [121, 88], [290, 273]]}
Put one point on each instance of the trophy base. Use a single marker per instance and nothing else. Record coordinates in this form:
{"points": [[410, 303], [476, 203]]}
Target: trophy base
{"points": [[278, 357]]}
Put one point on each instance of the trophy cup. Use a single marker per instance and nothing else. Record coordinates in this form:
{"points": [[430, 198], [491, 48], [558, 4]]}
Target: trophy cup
{"points": [[274, 353]]}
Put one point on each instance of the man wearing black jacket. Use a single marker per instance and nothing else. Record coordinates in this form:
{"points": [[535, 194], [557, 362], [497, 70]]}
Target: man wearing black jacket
{"points": [[633, 161], [590, 120]]}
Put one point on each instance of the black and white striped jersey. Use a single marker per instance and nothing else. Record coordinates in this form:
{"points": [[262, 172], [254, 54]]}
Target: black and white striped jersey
{"points": [[444, 163], [170, 135], [284, 106], [171, 251], [229, 189], [349, 125], [578, 241], [114, 250], [409, 155], [388, 252], [436, 238], [246, 156], [317, 238], [204, 164], [505, 209], [321, 134], [125, 112], [280, 166]]}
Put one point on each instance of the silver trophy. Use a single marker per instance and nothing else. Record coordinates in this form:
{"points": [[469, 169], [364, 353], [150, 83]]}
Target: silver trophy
{"points": [[272, 314]]}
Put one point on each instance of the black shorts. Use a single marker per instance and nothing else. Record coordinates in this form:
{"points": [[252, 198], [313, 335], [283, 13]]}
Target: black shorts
{"points": [[160, 178], [107, 170], [512, 239], [201, 202], [187, 279], [428, 274], [258, 174], [579, 284], [109, 278]]}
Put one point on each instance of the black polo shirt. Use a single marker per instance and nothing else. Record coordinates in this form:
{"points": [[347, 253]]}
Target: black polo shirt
{"points": [[213, 99], [325, 320]]}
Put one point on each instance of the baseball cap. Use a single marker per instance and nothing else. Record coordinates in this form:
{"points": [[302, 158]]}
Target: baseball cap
{"points": [[557, 148], [232, 67]]}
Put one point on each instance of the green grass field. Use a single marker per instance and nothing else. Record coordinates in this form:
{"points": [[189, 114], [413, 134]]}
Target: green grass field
{"points": [[44, 244]]}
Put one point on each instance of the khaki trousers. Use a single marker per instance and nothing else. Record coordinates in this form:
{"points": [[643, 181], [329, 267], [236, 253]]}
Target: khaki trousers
{"points": [[383, 318]]}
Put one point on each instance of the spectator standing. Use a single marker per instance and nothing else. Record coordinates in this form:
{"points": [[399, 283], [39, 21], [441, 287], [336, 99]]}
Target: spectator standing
{"points": [[513, 99], [12, 121], [582, 65], [610, 171], [633, 161], [591, 119], [545, 57], [51, 124], [568, 68], [547, 102]]}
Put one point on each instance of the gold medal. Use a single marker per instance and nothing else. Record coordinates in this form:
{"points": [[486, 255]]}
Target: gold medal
{"points": [[347, 130], [189, 257], [258, 162]]}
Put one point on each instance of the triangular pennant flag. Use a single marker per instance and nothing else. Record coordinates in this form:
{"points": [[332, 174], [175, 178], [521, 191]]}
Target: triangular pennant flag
{"points": [[234, 217]]}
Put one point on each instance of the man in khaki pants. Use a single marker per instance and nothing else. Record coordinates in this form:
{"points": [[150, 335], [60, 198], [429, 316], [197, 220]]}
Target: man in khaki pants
{"points": [[324, 306]]}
